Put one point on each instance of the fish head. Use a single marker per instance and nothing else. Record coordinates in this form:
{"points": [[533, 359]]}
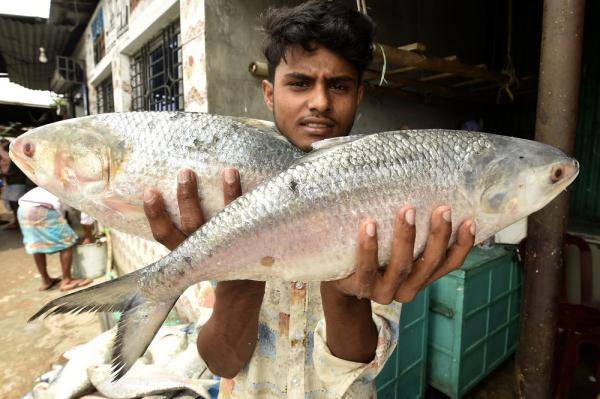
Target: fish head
{"points": [[70, 158], [519, 178]]}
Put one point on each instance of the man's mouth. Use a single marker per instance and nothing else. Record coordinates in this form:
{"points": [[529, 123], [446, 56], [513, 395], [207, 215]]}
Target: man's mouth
{"points": [[317, 126]]}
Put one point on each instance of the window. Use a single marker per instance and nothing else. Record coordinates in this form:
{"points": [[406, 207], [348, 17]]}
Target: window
{"points": [[98, 37], [104, 95], [156, 73]]}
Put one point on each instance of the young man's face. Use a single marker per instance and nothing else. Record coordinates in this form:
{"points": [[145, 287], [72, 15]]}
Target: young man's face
{"points": [[314, 95]]}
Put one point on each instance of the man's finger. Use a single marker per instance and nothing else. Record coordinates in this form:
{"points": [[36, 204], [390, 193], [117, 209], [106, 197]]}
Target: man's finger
{"points": [[163, 230], [458, 251], [367, 260], [188, 201], [433, 255], [232, 187], [401, 260]]}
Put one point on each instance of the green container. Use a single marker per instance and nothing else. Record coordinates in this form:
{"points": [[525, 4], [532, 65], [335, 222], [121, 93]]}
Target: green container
{"points": [[473, 319], [403, 376]]}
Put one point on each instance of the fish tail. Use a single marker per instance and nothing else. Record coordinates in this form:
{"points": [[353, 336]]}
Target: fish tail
{"points": [[141, 317]]}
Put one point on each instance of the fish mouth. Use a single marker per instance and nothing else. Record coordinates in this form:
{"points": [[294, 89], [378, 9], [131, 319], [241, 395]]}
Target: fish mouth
{"points": [[569, 170]]}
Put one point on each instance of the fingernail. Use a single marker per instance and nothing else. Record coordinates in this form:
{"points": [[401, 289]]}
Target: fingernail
{"points": [[229, 175], [409, 216], [447, 215], [472, 228], [371, 228], [149, 196], [184, 176]]}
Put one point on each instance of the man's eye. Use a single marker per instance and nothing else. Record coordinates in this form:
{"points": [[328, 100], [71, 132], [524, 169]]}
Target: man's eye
{"points": [[339, 87], [299, 84]]}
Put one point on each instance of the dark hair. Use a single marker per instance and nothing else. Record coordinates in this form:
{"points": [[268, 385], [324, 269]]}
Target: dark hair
{"points": [[332, 24]]}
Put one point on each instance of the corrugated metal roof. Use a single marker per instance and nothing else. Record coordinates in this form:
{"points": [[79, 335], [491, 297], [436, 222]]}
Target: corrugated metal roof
{"points": [[19, 44], [22, 37], [585, 197]]}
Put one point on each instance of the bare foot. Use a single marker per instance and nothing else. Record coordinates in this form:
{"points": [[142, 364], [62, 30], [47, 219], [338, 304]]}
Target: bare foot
{"points": [[86, 241], [71, 284], [47, 285]]}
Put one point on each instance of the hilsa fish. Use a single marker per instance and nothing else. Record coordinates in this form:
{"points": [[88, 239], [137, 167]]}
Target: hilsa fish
{"points": [[101, 164], [302, 224]]}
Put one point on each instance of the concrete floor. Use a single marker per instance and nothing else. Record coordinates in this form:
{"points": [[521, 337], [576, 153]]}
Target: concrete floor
{"points": [[29, 350]]}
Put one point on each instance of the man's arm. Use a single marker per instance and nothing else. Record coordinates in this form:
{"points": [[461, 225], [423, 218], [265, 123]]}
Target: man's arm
{"points": [[227, 341], [351, 333]]}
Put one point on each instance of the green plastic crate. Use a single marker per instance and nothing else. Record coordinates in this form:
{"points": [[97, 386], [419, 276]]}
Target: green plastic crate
{"points": [[403, 376], [473, 319]]}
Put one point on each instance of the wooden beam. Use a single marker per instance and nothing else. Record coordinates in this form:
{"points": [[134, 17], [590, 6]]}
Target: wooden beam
{"points": [[410, 59], [436, 76], [413, 68], [258, 69], [418, 47], [397, 82]]}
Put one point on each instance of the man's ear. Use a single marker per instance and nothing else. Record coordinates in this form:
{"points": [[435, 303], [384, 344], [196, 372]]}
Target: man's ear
{"points": [[267, 89], [361, 92]]}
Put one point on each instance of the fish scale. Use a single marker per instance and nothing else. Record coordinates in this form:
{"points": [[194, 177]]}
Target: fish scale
{"points": [[147, 149], [302, 224]]}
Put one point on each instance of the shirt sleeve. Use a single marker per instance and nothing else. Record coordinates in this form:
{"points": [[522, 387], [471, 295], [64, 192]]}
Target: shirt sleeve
{"points": [[351, 379]]}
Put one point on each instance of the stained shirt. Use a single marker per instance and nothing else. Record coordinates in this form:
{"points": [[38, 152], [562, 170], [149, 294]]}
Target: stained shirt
{"points": [[291, 358]]}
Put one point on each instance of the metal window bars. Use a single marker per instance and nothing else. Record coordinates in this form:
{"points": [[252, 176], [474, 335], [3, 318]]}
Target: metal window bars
{"points": [[105, 98], [157, 73]]}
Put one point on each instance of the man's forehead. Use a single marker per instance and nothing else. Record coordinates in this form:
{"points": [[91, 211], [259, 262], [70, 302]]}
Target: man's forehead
{"points": [[319, 61]]}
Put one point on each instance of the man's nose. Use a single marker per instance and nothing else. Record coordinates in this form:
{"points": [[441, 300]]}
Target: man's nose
{"points": [[320, 100]]}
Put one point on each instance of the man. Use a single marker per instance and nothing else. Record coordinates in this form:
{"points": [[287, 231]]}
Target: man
{"points": [[316, 340]]}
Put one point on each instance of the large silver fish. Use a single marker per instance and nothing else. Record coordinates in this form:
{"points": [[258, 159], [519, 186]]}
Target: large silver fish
{"points": [[101, 164], [302, 224]]}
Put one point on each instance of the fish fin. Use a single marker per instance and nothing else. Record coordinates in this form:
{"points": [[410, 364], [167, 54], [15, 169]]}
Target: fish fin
{"points": [[141, 318], [323, 147], [110, 296], [334, 142], [135, 330]]}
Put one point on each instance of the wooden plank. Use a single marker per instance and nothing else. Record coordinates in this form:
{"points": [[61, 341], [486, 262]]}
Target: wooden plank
{"points": [[467, 83], [410, 59], [412, 68], [419, 47], [397, 82], [436, 77]]}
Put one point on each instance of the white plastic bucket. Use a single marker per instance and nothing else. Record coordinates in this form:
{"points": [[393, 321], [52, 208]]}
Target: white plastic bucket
{"points": [[89, 261]]}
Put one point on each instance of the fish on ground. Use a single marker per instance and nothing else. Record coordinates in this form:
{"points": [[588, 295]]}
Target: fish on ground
{"points": [[72, 380], [101, 164], [144, 380], [302, 224]]}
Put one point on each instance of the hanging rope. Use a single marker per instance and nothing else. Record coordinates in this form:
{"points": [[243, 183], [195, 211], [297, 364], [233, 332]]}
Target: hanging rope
{"points": [[509, 68], [384, 68], [361, 6]]}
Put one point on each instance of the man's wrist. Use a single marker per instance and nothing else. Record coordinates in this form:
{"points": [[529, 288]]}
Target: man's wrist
{"points": [[237, 302]]}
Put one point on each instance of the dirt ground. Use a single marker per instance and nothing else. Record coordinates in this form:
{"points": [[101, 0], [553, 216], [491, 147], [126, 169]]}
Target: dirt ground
{"points": [[28, 350]]}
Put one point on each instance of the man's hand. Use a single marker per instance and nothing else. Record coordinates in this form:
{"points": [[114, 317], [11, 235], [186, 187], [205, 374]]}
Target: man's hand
{"points": [[227, 340], [163, 228], [403, 278], [351, 332]]}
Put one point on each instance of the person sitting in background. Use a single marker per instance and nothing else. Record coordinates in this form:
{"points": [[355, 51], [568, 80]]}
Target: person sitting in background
{"points": [[46, 231], [15, 184], [87, 223]]}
